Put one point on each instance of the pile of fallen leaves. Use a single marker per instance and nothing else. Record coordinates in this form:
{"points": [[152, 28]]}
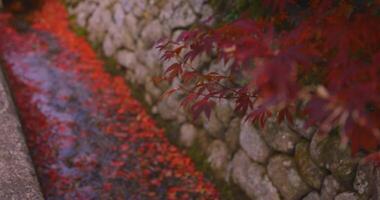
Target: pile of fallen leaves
{"points": [[88, 137]]}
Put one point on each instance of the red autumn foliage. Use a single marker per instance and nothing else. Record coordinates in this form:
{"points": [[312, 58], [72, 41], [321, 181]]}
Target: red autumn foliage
{"points": [[21, 6], [88, 137], [318, 59]]}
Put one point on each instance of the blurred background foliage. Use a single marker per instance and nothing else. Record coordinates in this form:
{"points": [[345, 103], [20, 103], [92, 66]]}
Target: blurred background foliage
{"points": [[228, 11]]}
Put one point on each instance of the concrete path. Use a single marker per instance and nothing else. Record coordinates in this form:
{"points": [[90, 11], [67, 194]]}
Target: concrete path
{"points": [[17, 176]]}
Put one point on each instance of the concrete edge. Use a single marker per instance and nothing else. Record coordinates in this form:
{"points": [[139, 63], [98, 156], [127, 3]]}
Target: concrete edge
{"points": [[18, 179]]}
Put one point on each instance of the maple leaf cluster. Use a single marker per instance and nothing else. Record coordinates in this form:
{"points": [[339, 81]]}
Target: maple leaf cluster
{"points": [[316, 59]]}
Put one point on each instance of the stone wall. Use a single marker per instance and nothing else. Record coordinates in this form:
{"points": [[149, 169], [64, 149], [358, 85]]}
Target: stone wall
{"points": [[277, 162]]}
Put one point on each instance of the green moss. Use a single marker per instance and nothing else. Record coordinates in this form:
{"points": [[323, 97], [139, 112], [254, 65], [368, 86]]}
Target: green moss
{"points": [[228, 191], [111, 66], [77, 29], [82, 32], [231, 10]]}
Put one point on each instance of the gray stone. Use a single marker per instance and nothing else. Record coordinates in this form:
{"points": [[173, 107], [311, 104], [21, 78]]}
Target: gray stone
{"points": [[220, 67], [213, 126], [83, 11], [362, 179], [148, 99], [206, 13], [140, 72], [118, 14], [182, 16], [139, 9], [203, 140], [232, 134], [152, 89], [346, 196], [196, 5], [309, 171], [82, 19], [169, 108], [126, 59], [151, 58], [312, 196], [109, 47], [105, 3], [176, 34], [182, 116], [367, 181], [376, 192], [130, 22], [84, 7], [253, 144], [128, 5], [154, 12], [300, 129], [72, 2], [252, 178], [224, 111], [97, 24], [279, 137], [330, 188], [218, 157], [327, 151], [152, 33], [188, 133], [120, 37], [202, 60], [284, 175], [168, 10]]}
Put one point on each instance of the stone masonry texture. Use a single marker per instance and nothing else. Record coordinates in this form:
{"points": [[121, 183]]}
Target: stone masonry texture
{"points": [[277, 162]]}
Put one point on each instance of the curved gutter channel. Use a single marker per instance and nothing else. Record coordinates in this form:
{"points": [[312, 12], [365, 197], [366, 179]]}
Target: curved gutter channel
{"points": [[88, 137], [18, 178]]}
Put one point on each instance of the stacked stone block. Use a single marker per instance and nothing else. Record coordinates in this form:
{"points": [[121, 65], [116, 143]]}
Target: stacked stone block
{"points": [[276, 162]]}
